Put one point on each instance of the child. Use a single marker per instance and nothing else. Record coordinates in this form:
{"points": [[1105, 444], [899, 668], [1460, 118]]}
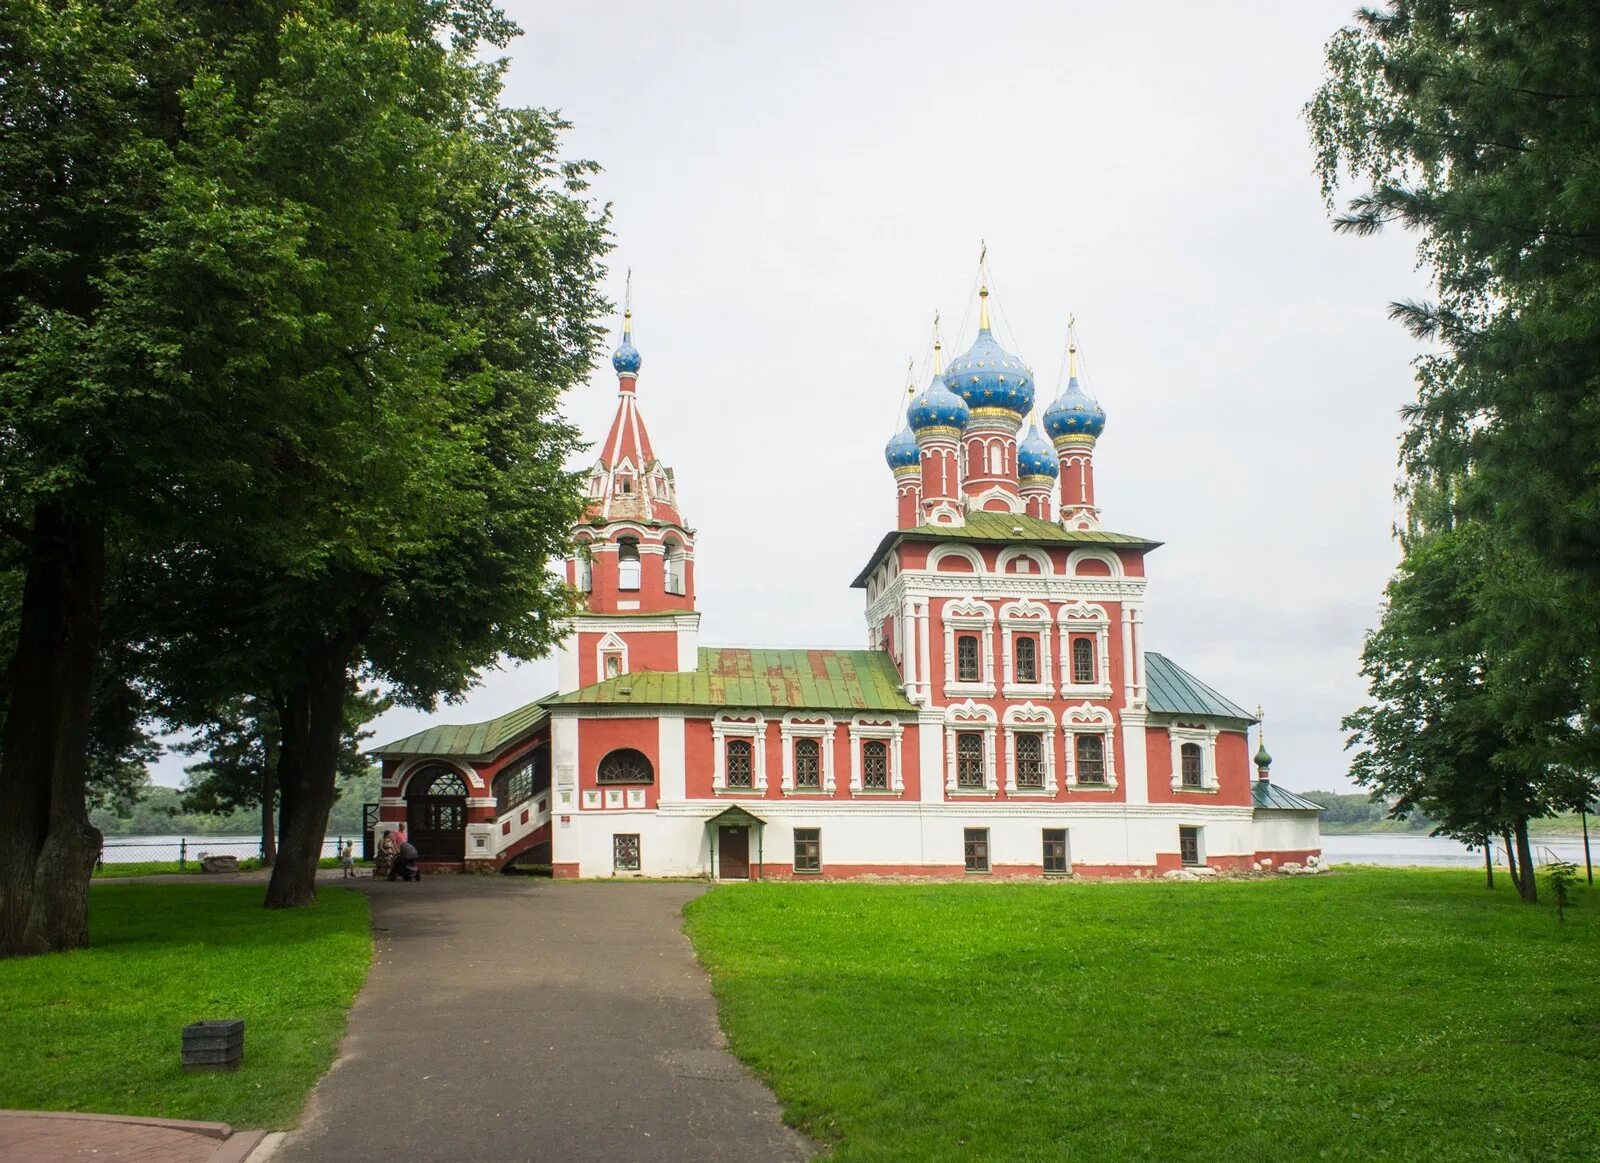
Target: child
{"points": [[348, 855]]}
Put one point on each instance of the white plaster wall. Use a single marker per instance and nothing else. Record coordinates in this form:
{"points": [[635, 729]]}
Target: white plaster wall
{"points": [[1287, 831]]}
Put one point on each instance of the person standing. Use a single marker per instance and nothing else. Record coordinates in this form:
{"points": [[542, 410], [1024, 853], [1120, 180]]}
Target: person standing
{"points": [[347, 857], [387, 848]]}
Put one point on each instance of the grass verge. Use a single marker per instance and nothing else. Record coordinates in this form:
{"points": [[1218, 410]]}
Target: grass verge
{"points": [[1370, 1014], [191, 867], [98, 1029]]}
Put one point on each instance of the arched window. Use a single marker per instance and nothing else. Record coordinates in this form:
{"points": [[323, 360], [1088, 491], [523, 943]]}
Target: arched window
{"points": [[967, 658], [613, 664], [875, 765], [1027, 658], [738, 763], [807, 763], [1082, 661], [1030, 761], [1191, 763], [1091, 756], [629, 572], [436, 780], [675, 584], [625, 765], [969, 760]]}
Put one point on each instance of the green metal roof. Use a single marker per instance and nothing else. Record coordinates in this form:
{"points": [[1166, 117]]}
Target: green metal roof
{"points": [[468, 740], [1266, 794], [857, 680], [1008, 528], [1174, 691]]}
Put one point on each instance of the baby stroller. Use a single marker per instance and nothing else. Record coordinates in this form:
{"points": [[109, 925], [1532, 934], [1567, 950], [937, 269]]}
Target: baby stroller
{"points": [[405, 862]]}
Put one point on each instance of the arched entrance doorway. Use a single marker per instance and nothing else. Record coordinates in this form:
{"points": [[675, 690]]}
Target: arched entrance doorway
{"points": [[436, 813]]}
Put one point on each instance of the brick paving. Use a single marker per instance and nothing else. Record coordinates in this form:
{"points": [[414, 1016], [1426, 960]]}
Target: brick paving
{"points": [[51, 1137]]}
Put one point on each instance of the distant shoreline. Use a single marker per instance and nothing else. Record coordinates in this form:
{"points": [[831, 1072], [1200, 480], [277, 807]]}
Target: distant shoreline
{"points": [[1386, 828]]}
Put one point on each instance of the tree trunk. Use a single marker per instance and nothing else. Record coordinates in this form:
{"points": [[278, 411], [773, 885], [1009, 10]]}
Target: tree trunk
{"points": [[269, 802], [1488, 862], [1588, 864], [1528, 885], [312, 723], [47, 845], [1511, 861]]}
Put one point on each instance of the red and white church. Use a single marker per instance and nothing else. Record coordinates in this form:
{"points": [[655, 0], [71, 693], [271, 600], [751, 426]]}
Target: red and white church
{"points": [[1004, 719]]}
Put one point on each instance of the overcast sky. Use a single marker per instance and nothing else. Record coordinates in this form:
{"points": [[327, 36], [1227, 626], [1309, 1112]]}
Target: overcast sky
{"points": [[798, 187]]}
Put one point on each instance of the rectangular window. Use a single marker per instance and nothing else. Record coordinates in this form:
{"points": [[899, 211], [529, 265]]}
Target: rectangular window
{"points": [[625, 851], [1030, 761], [1055, 850], [1091, 757], [1027, 659], [738, 759], [1083, 662], [808, 849], [969, 760], [807, 764], [875, 765], [976, 843], [967, 658], [1190, 759], [1189, 845]]}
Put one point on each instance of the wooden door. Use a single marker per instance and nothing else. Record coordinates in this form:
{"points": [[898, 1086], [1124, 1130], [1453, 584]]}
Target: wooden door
{"points": [[438, 826], [733, 853]]}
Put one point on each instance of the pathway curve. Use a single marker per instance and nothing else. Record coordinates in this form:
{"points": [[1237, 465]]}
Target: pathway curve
{"points": [[508, 1019]]}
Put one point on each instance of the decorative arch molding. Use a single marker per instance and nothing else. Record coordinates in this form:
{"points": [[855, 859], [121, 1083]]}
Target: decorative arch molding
{"points": [[1088, 719], [943, 553], [1110, 560], [889, 731], [611, 646], [1082, 618], [1008, 502], [1039, 558], [468, 775], [1027, 617], [945, 513], [796, 726]]}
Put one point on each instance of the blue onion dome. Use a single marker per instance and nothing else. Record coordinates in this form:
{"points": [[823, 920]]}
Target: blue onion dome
{"points": [[626, 358], [990, 377], [1036, 456], [902, 451], [937, 407], [1074, 414]]}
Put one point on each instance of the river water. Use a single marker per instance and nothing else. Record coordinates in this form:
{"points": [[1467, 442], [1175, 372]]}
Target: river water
{"points": [[132, 849], [1371, 848]]}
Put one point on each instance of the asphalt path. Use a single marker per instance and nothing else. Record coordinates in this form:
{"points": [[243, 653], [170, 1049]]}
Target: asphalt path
{"points": [[510, 1019]]}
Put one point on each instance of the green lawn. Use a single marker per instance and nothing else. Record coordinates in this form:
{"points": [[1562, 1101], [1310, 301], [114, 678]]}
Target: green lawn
{"points": [[98, 1029], [1366, 1014], [123, 869]]}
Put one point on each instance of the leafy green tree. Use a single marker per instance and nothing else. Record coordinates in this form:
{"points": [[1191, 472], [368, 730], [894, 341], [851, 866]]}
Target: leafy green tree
{"points": [[286, 303]]}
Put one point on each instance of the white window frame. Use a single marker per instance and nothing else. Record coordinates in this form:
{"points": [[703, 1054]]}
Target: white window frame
{"points": [[1087, 719], [1025, 617], [888, 730], [1030, 720], [1206, 736], [969, 616], [960, 719], [796, 727], [610, 644], [1085, 618], [726, 726]]}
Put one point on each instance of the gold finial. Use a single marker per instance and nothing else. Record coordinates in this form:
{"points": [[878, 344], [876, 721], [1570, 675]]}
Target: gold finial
{"points": [[1072, 362], [983, 286], [911, 383], [1261, 726], [938, 350]]}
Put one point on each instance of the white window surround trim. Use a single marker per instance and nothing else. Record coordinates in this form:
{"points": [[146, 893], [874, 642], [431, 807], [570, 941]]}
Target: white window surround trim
{"points": [[1206, 737], [1085, 618], [1030, 720], [1025, 616], [962, 718], [818, 727], [1039, 558], [752, 727], [889, 730], [968, 615], [1087, 719], [610, 644]]}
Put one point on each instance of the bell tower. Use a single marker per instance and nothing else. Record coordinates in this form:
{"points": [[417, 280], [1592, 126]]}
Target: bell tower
{"points": [[632, 556]]}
